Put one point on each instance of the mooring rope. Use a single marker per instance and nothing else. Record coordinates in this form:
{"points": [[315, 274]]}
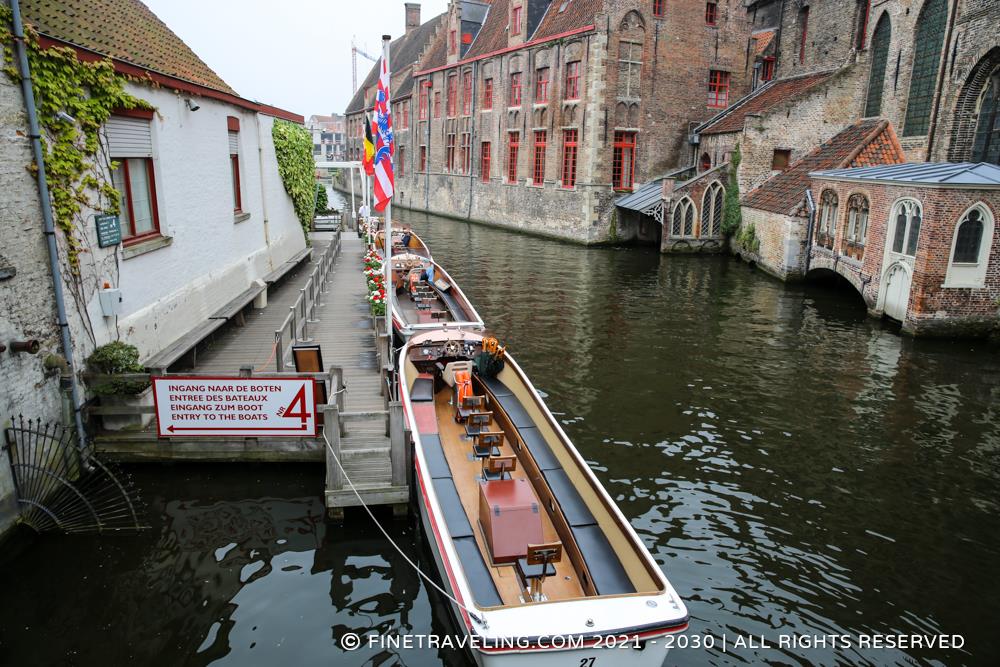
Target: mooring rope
{"points": [[477, 618]]}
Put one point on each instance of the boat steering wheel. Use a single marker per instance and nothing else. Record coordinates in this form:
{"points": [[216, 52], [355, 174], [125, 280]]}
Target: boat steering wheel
{"points": [[452, 348]]}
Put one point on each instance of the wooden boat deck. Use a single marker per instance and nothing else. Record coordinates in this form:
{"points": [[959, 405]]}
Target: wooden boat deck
{"points": [[465, 471]]}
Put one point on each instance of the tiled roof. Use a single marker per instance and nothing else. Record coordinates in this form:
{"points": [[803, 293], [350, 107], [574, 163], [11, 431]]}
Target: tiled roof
{"points": [[492, 35], [763, 99], [922, 173], [565, 15], [124, 30], [761, 41], [436, 54], [862, 143], [403, 53]]}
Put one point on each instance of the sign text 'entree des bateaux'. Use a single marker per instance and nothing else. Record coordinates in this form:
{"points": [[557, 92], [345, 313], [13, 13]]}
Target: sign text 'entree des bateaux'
{"points": [[244, 407]]}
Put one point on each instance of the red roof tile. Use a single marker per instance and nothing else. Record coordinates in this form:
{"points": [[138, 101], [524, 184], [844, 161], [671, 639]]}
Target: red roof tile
{"points": [[761, 100], [565, 15], [124, 30], [761, 41], [492, 36], [867, 142]]}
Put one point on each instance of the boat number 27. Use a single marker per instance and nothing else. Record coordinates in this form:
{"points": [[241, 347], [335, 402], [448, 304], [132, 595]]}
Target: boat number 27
{"points": [[587, 662]]}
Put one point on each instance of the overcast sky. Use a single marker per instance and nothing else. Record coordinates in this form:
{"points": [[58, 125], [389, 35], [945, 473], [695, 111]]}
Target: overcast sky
{"points": [[294, 54]]}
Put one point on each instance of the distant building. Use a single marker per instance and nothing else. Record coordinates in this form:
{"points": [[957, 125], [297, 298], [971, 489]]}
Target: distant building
{"points": [[329, 134], [536, 115]]}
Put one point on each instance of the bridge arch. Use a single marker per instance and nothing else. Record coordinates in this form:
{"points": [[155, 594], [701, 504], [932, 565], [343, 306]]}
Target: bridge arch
{"points": [[823, 267]]}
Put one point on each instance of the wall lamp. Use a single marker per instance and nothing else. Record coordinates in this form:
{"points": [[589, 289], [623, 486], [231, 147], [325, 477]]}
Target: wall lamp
{"points": [[191, 105]]}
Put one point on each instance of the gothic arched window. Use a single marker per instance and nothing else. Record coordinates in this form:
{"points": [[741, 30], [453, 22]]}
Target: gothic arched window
{"points": [[880, 57], [928, 41]]}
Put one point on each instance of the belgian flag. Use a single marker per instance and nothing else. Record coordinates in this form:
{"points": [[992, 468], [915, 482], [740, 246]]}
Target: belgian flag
{"points": [[369, 159]]}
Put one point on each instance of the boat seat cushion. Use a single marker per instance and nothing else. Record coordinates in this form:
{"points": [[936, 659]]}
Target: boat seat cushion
{"points": [[539, 449], [423, 389], [572, 505], [425, 417], [518, 416], [495, 386], [437, 464], [606, 571], [483, 589], [451, 507]]}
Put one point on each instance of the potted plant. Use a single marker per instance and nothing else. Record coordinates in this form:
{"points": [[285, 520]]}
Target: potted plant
{"points": [[118, 358]]}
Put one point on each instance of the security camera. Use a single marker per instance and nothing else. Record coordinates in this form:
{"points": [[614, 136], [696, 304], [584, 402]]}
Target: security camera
{"points": [[191, 105]]}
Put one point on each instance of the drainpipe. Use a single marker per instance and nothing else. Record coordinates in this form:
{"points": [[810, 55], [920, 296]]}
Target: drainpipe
{"points": [[49, 225], [472, 137], [263, 190], [811, 204], [940, 82]]}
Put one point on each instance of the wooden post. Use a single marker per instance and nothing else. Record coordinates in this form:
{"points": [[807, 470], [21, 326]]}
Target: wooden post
{"points": [[331, 423], [397, 444]]}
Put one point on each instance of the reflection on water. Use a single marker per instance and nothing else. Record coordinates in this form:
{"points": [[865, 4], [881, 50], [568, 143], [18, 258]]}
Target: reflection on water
{"points": [[796, 469]]}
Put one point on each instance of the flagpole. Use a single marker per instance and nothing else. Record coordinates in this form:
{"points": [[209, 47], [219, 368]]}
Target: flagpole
{"points": [[390, 291]]}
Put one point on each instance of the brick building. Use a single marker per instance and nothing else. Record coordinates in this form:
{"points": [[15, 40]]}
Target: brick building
{"points": [[329, 135], [918, 241], [536, 114]]}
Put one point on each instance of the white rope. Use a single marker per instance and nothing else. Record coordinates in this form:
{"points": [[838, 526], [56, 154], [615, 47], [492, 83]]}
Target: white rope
{"points": [[478, 619]]}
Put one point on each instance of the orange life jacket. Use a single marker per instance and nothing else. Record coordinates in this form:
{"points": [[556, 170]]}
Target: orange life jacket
{"points": [[463, 386]]}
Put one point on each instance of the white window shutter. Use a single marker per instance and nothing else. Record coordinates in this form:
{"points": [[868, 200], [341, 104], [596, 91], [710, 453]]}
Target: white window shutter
{"points": [[128, 137], [234, 143]]}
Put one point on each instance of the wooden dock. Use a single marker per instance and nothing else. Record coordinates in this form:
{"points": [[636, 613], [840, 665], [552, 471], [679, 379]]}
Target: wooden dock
{"points": [[322, 302]]}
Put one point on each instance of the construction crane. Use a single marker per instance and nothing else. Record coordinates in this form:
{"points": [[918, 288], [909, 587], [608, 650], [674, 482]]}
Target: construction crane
{"points": [[354, 63]]}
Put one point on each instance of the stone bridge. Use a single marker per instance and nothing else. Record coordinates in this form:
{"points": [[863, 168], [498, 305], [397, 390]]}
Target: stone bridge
{"points": [[822, 260]]}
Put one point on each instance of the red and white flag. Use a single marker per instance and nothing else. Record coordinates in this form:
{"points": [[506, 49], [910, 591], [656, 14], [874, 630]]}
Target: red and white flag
{"points": [[384, 145]]}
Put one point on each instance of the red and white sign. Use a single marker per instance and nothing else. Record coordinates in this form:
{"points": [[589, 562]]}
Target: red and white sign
{"points": [[212, 407]]}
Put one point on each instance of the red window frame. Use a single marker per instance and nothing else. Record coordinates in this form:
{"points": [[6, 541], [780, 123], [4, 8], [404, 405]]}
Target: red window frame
{"points": [[624, 147], [449, 164], [541, 85], [404, 115], [515, 21], [513, 145], [711, 13], [538, 161], [706, 162], [132, 237], [487, 94], [570, 139], [466, 93], [423, 158], [437, 103], [234, 162], [465, 148], [865, 18], [718, 89], [452, 94], [804, 20], [424, 102], [400, 161], [515, 90], [767, 69], [572, 88], [453, 42], [658, 7], [484, 162]]}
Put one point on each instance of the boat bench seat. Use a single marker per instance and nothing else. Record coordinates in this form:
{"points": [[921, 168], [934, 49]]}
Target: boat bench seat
{"points": [[606, 571], [483, 589], [423, 389], [437, 464]]}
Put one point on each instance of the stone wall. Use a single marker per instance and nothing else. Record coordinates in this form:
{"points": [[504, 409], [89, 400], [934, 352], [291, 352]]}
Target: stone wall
{"points": [[782, 242]]}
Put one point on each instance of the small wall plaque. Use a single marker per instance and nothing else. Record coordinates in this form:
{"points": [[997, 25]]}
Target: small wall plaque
{"points": [[109, 231]]}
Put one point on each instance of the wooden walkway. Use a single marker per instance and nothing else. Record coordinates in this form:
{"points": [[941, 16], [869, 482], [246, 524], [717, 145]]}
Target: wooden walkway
{"points": [[343, 327]]}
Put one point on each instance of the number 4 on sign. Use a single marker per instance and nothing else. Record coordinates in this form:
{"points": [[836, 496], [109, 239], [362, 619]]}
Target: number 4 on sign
{"points": [[297, 408]]}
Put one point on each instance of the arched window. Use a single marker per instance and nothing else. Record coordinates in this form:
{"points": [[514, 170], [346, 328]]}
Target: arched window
{"points": [[706, 162], [986, 145], [682, 223], [828, 204], [928, 40], [880, 57], [857, 219], [970, 248], [906, 229], [711, 210]]}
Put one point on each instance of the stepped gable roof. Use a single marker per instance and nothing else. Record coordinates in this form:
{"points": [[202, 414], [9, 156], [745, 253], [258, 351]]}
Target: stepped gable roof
{"points": [[403, 54], [567, 15], [867, 142], [944, 174], [492, 35], [124, 30], [761, 100]]}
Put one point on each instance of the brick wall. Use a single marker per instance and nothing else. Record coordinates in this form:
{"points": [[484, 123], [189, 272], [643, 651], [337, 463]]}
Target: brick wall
{"points": [[782, 242]]}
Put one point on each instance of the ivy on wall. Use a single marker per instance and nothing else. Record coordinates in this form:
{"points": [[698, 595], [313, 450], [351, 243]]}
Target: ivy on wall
{"points": [[293, 149], [74, 99], [732, 215]]}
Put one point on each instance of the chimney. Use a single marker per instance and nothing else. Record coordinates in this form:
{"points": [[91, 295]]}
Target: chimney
{"points": [[412, 16]]}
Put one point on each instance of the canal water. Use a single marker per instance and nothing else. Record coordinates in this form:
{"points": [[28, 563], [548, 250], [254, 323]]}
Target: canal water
{"points": [[799, 471]]}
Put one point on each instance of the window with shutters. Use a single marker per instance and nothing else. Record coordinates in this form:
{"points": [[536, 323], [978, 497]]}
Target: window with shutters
{"points": [[572, 87], [515, 21], [452, 94], [718, 89], [658, 7], [424, 101], [541, 85], [569, 158], [465, 153], [466, 93], [487, 94], [986, 141], [880, 58], [682, 220], [423, 158], [484, 162], [449, 159], [130, 145], [767, 69], [828, 203], [905, 220], [711, 13], [234, 161], [857, 227], [712, 206], [623, 161], [515, 90], [970, 249], [513, 144], [629, 69], [927, 43], [538, 165]]}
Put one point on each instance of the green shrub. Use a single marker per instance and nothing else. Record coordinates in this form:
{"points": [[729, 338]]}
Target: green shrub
{"points": [[322, 204], [747, 239], [293, 150], [116, 358], [732, 216]]}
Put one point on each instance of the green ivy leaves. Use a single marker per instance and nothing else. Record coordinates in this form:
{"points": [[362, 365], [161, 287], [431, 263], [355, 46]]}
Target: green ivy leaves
{"points": [[293, 150]]}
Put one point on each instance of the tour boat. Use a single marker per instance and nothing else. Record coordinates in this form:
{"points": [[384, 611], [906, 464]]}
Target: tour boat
{"points": [[423, 296], [542, 567], [413, 244]]}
